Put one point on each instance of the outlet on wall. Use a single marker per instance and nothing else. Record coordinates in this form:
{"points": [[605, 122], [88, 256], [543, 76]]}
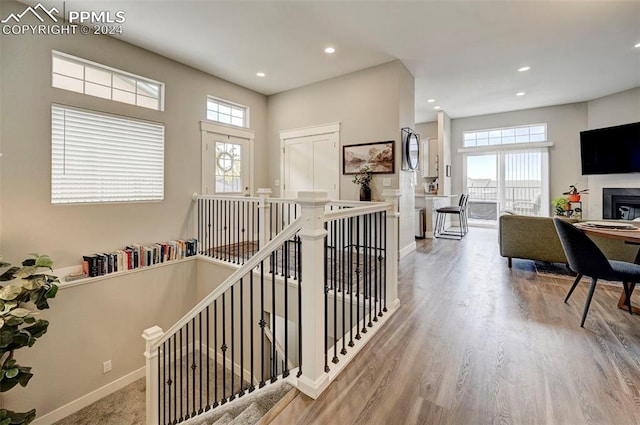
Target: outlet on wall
{"points": [[386, 182], [106, 366]]}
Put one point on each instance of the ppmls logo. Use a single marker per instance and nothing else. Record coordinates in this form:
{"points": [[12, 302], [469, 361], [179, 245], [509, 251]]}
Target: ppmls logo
{"points": [[34, 11]]}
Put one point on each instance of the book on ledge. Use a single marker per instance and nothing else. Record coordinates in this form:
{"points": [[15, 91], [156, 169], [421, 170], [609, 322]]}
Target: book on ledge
{"points": [[136, 255]]}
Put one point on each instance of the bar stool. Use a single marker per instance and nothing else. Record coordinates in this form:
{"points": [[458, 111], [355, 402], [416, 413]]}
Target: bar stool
{"points": [[441, 219]]}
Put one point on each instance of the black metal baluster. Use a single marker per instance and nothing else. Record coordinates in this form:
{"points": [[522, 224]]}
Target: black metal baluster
{"points": [[208, 357], [376, 237], [285, 369], [244, 230], [236, 222], [358, 278], [233, 350], [384, 272], [223, 348], [326, 301], [380, 259], [186, 407], [215, 353], [164, 383], [251, 378], [299, 271], [168, 380], [200, 359], [160, 385], [334, 278], [193, 366], [342, 282], [365, 272], [277, 225], [351, 343], [200, 220], [175, 379], [367, 220], [262, 324], [242, 337], [181, 376], [274, 363]]}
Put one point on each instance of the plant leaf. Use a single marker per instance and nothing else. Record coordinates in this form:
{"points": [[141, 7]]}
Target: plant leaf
{"points": [[9, 274], [20, 312], [10, 292]]}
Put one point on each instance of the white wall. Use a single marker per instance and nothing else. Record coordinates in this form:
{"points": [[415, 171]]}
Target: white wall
{"points": [[616, 109], [28, 220], [564, 123]]}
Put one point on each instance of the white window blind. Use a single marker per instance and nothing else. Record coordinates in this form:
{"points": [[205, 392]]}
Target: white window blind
{"points": [[98, 157]]}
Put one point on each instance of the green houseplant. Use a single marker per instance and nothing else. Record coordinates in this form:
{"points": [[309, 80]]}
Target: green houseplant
{"points": [[28, 289], [561, 205]]}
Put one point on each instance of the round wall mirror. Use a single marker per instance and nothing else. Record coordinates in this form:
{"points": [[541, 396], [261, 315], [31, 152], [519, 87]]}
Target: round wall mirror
{"points": [[412, 150]]}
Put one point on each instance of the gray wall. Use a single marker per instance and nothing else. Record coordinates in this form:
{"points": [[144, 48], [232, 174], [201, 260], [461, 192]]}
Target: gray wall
{"points": [[616, 109], [366, 103], [28, 220]]}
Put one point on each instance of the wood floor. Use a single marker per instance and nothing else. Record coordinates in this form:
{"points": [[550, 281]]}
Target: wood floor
{"points": [[475, 342]]}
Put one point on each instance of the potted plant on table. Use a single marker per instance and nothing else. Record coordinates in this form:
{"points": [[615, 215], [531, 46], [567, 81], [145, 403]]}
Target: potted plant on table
{"points": [[363, 178], [574, 194], [29, 286]]}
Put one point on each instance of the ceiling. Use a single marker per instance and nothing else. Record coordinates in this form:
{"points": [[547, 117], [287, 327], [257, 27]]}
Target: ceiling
{"points": [[463, 54]]}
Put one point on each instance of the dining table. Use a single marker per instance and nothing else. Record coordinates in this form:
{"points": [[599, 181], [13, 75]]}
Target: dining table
{"points": [[624, 235]]}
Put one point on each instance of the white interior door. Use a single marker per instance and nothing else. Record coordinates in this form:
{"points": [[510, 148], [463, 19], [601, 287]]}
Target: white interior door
{"points": [[311, 163], [225, 165]]}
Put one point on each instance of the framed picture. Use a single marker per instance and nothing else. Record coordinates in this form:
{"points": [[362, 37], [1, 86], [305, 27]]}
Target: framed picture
{"points": [[379, 156]]}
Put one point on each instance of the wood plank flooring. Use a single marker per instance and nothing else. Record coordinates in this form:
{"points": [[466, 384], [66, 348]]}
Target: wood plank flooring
{"points": [[475, 342]]}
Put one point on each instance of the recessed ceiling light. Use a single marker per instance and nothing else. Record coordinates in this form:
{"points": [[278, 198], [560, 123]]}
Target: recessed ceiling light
{"points": [[431, 100], [260, 74], [637, 45], [521, 93], [524, 68], [436, 107], [329, 50]]}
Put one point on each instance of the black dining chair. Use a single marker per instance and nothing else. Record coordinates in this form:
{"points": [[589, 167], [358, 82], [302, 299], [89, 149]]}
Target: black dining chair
{"points": [[460, 211], [586, 259]]}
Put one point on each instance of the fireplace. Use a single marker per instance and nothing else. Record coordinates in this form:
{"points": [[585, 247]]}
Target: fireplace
{"points": [[621, 203]]}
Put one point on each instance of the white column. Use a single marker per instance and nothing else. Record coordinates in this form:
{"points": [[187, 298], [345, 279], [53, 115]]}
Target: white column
{"points": [[264, 212], [151, 335], [314, 379], [392, 196]]}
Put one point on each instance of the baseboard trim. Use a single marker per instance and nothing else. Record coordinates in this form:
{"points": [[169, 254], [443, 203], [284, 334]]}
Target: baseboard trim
{"points": [[87, 399], [407, 250]]}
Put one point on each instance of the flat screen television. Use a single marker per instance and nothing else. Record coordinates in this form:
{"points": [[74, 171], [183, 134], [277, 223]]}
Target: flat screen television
{"points": [[611, 150]]}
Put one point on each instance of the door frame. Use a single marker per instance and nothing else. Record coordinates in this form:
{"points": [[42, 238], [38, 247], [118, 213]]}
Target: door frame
{"points": [[331, 129], [240, 133]]}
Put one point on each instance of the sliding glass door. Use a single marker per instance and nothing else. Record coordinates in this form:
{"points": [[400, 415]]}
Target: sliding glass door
{"points": [[513, 180]]}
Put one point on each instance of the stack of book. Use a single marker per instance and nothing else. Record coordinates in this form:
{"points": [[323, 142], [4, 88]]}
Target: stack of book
{"points": [[135, 256]]}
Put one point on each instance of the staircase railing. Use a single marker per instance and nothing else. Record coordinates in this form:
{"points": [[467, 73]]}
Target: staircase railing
{"points": [[329, 275], [216, 352]]}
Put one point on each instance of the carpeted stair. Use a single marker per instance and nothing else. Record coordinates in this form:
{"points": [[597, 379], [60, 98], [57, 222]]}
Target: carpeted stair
{"points": [[256, 408]]}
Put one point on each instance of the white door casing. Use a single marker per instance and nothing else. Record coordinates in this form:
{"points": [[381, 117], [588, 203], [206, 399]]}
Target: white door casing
{"points": [[232, 149]]}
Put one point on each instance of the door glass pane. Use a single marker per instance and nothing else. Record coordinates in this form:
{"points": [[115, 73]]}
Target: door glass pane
{"points": [[482, 186], [523, 181], [228, 167]]}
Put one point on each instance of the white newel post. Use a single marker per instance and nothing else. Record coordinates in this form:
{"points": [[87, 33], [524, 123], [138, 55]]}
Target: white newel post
{"points": [[150, 336], [314, 379], [264, 212], [392, 197]]}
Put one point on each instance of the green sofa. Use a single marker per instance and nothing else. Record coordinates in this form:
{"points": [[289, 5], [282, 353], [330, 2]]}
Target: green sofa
{"points": [[535, 238]]}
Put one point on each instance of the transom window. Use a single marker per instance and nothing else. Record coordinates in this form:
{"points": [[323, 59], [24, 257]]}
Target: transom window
{"points": [[93, 79], [226, 112], [506, 136], [97, 157]]}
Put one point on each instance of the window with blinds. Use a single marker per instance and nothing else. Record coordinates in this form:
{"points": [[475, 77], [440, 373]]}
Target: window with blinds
{"points": [[97, 157]]}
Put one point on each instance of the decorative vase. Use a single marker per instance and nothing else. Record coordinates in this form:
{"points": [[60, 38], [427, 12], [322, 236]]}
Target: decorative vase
{"points": [[365, 193], [574, 198]]}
